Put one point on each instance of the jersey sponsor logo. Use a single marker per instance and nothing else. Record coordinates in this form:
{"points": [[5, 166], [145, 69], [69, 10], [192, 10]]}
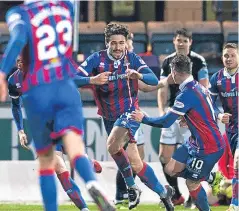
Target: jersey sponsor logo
{"points": [[233, 93], [178, 104], [117, 77]]}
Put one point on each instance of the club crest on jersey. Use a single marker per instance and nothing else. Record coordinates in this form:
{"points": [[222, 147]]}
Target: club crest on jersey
{"points": [[219, 83], [178, 104], [116, 64], [102, 65], [18, 85]]}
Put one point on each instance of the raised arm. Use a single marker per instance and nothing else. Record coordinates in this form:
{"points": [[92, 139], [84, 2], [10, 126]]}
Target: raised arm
{"points": [[18, 39]]}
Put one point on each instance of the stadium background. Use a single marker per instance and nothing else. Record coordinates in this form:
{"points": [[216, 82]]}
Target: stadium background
{"points": [[153, 23]]}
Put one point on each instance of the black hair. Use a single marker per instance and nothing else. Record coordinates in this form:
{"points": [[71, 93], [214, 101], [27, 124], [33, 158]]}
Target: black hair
{"points": [[184, 32], [115, 29], [181, 64]]}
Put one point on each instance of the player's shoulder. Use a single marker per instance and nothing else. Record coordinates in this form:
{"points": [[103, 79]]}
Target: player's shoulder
{"points": [[135, 57], [15, 13], [196, 57], [217, 74], [170, 57]]}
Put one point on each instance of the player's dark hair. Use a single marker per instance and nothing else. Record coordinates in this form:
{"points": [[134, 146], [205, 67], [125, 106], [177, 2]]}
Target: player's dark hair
{"points": [[230, 45], [115, 29], [181, 64], [184, 32]]}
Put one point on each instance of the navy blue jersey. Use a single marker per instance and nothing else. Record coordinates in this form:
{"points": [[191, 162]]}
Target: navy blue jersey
{"points": [[195, 104], [226, 87], [120, 94]]}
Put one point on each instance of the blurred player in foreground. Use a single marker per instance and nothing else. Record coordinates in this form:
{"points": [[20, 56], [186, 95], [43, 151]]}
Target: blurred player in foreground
{"points": [[70, 187], [194, 159], [116, 97], [42, 32], [224, 84]]}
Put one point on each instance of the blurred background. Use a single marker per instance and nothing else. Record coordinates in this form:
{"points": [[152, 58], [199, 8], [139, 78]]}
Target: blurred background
{"points": [[153, 23]]}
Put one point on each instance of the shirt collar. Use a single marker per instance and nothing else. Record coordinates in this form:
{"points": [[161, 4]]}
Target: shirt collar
{"points": [[185, 82], [112, 58], [226, 74]]}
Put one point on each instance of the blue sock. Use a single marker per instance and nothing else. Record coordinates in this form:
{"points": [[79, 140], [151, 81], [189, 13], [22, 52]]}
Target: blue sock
{"points": [[122, 161], [148, 177], [84, 168], [235, 183], [72, 189], [200, 197], [48, 189]]}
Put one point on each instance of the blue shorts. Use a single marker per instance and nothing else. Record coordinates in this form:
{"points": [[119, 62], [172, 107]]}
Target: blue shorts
{"points": [[198, 167], [125, 122], [60, 147], [233, 141], [58, 102]]}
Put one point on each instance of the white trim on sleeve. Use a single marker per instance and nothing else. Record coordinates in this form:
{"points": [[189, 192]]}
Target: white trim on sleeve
{"points": [[177, 112]]}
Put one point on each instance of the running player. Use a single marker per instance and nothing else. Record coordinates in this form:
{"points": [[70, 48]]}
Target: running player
{"points": [[194, 159], [42, 31]]}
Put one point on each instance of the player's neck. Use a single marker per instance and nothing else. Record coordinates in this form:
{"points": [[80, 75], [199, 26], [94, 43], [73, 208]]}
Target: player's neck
{"points": [[184, 80], [231, 71]]}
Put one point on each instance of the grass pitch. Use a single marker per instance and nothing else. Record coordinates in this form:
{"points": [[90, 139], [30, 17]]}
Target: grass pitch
{"points": [[141, 207]]}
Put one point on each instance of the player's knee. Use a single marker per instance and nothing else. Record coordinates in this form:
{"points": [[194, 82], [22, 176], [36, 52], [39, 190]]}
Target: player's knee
{"points": [[192, 185], [113, 147], [59, 165], [164, 159], [46, 159], [165, 153], [137, 166], [141, 151], [169, 169]]}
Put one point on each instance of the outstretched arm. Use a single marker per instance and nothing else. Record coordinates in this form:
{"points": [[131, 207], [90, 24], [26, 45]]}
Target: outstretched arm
{"points": [[162, 122]]}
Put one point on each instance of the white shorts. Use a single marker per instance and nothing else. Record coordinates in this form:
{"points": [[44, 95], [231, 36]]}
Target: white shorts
{"points": [[174, 134], [139, 136]]}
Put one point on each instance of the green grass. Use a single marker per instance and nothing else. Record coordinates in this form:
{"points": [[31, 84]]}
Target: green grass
{"points": [[142, 207]]}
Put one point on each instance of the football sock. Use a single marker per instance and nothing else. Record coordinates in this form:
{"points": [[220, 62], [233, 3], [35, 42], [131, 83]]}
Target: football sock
{"points": [[124, 166], [149, 178], [72, 189], [48, 189]]}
